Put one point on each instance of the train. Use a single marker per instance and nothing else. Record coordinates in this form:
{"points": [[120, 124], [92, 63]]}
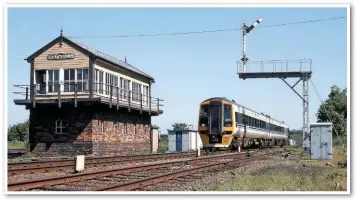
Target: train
{"points": [[227, 125]]}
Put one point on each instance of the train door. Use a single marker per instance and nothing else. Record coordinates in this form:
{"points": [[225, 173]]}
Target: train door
{"points": [[179, 141], [215, 118]]}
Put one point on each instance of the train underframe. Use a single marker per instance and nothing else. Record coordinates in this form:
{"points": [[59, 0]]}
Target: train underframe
{"points": [[249, 143]]}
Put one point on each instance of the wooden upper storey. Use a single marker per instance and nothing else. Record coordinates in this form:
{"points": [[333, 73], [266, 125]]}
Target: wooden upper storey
{"points": [[64, 67], [83, 55], [80, 58]]}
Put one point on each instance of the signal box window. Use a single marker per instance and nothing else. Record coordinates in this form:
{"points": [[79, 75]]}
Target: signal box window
{"points": [[60, 126]]}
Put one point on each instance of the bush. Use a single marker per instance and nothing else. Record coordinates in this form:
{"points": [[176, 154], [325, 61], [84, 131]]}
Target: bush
{"points": [[19, 133]]}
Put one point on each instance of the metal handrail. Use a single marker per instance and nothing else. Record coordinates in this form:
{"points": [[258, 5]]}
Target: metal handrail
{"points": [[276, 66], [110, 91]]}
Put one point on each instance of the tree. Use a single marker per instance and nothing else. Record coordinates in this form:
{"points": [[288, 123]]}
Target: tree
{"points": [[19, 132], [155, 126], [334, 110], [180, 126]]}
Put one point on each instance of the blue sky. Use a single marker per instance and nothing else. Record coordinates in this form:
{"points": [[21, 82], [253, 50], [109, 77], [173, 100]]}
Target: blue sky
{"points": [[191, 68]]}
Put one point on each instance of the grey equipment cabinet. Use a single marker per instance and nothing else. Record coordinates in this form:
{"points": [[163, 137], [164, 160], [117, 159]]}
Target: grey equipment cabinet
{"points": [[321, 141]]}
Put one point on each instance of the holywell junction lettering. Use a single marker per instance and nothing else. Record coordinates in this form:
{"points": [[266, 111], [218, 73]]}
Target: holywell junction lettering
{"points": [[61, 56]]}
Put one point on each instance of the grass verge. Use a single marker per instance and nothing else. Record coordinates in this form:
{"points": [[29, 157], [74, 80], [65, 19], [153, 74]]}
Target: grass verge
{"points": [[16, 145], [297, 175], [326, 180]]}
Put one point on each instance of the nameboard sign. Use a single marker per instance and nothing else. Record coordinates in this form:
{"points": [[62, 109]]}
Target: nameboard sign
{"points": [[61, 56]]}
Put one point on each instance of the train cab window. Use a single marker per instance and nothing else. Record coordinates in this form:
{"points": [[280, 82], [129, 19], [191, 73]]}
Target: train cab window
{"points": [[236, 119], [204, 115], [227, 115]]}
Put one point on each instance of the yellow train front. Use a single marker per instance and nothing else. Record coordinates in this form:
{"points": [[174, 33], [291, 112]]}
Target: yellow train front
{"points": [[224, 124]]}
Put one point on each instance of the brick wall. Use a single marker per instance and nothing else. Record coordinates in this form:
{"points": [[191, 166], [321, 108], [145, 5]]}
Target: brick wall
{"points": [[120, 132], [88, 130], [76, 135]]}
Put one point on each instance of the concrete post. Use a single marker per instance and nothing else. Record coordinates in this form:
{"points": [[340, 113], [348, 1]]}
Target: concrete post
{"points": [[79, 163]]}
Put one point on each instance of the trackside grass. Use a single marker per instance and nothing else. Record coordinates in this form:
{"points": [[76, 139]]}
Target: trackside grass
{"points": [[290, 174]]}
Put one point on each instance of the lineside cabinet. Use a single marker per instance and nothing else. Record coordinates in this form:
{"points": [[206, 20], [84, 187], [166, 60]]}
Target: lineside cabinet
{"points": [[321, 141]]}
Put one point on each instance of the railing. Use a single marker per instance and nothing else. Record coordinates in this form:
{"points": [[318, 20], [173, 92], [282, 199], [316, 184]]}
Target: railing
{"points": [[275, 66], [110, 93]]}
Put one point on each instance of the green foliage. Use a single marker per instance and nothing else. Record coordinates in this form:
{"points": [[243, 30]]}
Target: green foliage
{"points": [[334, 109], [155, 126], [162, 146], [163, 138], [340, 141], [180, 126], [19, 132], [16, 144], [297, 136], [249, 154]]}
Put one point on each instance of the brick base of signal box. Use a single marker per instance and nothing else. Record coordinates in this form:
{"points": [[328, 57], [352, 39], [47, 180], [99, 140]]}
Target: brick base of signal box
{"points": [[122, 132]]}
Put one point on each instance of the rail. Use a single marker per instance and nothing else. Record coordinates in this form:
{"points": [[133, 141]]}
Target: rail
{"points": [[111, 94]]}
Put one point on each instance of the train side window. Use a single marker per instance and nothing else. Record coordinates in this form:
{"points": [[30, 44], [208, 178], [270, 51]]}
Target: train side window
{"points": [[242, 117], [263, 124], [258, 123]]}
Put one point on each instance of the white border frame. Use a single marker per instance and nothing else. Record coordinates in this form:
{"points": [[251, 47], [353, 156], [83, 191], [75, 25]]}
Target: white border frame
{"points": [[182, 3]]}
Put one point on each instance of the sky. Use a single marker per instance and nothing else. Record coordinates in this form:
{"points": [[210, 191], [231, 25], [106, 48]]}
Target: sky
{"points": [[191, 68]]}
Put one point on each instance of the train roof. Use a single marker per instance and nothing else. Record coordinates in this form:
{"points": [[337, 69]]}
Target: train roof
{"points": [[234, 102]]}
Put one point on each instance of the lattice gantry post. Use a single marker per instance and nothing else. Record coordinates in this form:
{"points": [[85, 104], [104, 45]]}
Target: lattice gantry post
{"points": [[284, 69]]}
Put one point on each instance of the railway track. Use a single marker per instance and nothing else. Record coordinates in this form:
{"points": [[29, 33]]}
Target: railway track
{"points": [[166, 177], [12, 153], [19, 150], [60, 165], [80, 177]]}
